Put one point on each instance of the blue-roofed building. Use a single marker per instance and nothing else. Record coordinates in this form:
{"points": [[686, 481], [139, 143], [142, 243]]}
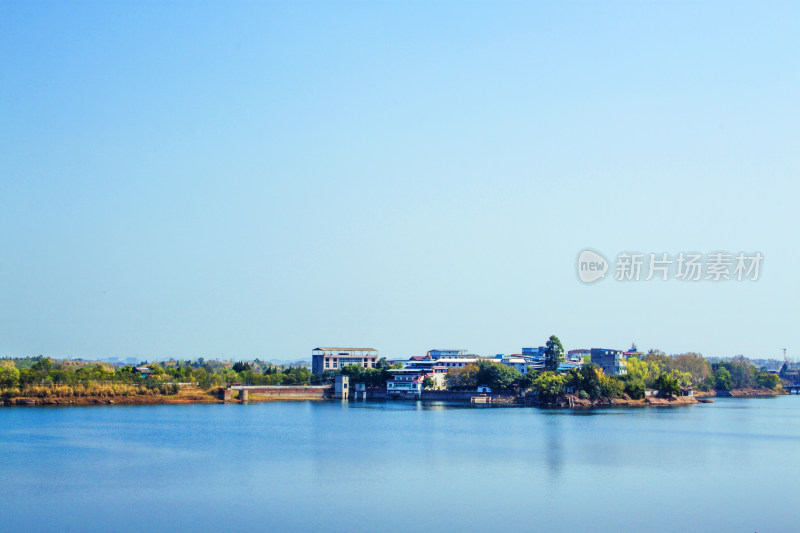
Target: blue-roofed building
{"points": [[534, 352]]}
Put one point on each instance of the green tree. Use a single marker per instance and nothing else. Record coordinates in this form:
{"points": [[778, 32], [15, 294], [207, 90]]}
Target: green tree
{"points": [[428, 383], [590, 376], [553, 354], [497, 376], [722, 379], [239, 366], [43, 365], [693, 363], [462, 378], [525, 381], [635, 388], [743, 373], [356, 373], [668, 385], [644, 370], [202, 377], [658, 357], [9, 377], [549, 385], [60, 376], [611, 387], [299, 375], [227, 375], [769, 381]]}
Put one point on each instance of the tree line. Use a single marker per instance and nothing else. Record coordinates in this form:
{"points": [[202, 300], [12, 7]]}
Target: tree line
{"points": [[654, 370]]}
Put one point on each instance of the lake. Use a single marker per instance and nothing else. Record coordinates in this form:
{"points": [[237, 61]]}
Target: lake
{"points": [[401, 466]]}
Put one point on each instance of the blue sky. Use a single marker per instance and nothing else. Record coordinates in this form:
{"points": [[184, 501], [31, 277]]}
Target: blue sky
{"points": [[257, 179]]}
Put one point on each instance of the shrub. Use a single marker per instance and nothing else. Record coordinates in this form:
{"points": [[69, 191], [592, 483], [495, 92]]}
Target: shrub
{"points": [[769, 381], [168, 388], [610, 387], [216, 391], [668, 385], [549, 385], [635, 389], [582, 394], [12, 392]]}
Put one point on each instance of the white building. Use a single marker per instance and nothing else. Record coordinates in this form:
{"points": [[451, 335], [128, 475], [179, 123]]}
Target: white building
{"points": [[405, 381], [325, 359], [517, 363]]}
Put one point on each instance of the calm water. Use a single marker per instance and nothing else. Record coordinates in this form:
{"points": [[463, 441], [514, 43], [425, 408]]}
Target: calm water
{"points": [[308, 466]]}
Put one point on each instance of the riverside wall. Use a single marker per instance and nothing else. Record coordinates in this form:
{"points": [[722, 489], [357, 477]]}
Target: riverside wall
{"points": [[285, 392]]}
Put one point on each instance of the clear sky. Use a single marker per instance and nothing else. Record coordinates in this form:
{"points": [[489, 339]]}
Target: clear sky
{"points": [[245, 180]]}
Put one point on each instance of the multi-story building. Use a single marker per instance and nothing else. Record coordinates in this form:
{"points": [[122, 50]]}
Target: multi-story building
{"points": [[440, 365], [406, 381], [446, 354], [455, 362], [516, 362], [325, 359], [535, 358], [613, 362]]}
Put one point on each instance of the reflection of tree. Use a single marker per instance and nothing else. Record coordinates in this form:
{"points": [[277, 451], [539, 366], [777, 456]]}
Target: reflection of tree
{"points": [[554, 444]]}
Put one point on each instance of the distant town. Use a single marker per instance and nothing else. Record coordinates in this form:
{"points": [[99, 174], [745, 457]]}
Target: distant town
{"points": [[541, 375]]}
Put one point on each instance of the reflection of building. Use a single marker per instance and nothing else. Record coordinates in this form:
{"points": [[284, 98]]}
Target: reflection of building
{"points": [[324, 359], [613, 362]]}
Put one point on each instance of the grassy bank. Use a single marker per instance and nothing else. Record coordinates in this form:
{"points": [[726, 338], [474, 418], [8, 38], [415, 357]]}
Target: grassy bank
{"points": [[100, 394]]}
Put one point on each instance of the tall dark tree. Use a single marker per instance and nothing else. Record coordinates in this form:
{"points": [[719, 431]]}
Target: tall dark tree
{"points": [[553, 354], [239, 366]]}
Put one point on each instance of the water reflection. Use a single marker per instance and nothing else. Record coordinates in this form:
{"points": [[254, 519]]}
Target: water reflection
{"points": [[458, 466], [553, 445]]}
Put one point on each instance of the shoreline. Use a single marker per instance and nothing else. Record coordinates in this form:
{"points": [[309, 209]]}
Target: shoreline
{"points": [[199, 396], [573, 402]]}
